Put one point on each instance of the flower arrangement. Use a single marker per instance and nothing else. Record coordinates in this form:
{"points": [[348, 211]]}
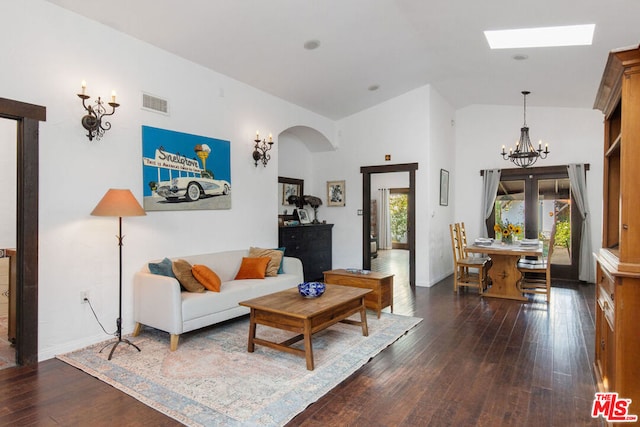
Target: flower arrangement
{"points": [[507, 230]]}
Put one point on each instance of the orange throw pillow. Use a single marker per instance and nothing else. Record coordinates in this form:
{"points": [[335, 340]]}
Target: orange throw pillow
{"points": [[274, 263], [253, 268], [207, 277]]}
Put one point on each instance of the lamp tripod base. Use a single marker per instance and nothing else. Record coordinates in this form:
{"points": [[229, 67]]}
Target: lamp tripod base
{"points": [[120, 340]]}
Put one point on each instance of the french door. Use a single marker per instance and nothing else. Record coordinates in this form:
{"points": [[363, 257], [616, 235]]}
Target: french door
{"points": [[532, 200]]}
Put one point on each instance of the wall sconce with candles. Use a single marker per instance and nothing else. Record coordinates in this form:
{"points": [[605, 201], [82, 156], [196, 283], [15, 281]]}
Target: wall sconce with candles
{"points": [[92, 121], [525, 154], [261, 148]]}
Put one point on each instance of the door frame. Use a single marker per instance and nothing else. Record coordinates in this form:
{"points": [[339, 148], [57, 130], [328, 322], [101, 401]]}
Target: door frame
{"points": [[411, 213], [28, 118]]}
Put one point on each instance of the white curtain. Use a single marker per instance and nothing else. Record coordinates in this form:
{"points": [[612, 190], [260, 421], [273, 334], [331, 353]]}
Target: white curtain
{"points": [[384, 220], [579, 189], [490, 182]]}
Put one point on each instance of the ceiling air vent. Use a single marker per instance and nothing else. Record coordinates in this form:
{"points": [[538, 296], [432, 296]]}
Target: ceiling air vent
{"points": [[154, 103]]}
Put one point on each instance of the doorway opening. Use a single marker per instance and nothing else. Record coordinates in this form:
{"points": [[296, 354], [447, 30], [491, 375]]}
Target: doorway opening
{"points": [[367, 236], [28, 118], [8, 194]]}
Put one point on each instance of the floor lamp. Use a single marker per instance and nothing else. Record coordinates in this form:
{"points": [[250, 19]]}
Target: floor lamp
{"points": [[119, 203]]}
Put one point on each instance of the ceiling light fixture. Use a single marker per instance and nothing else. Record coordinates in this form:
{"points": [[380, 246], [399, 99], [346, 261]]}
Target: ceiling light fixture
{"points": [[373, 88], [569, 35], [525, 155]]}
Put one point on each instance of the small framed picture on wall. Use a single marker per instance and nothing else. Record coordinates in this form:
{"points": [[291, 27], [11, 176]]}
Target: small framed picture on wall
{"points": [[336, 193]]}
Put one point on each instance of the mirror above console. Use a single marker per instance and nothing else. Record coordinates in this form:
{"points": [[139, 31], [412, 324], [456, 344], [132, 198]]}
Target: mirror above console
{"points": [[289, 187]]}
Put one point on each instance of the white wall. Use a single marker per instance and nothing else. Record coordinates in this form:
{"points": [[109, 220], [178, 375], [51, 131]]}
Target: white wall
{"points": [[441, 156], [294, 161], [49, 53], [574, 136], [399, 127]]}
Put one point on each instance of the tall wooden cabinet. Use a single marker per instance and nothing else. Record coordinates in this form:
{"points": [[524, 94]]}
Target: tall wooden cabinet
{"points": [[617, 346]]}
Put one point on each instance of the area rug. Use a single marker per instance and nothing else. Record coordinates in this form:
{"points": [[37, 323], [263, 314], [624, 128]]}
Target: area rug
{"points": [[212, 380]]}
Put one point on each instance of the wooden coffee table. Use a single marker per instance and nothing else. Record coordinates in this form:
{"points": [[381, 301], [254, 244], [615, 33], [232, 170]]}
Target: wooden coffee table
{"points": [[289, 311]]}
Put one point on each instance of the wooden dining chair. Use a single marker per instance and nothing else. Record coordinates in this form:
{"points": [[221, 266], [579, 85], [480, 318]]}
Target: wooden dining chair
{"points": [[463, 245], [536, 273], [468, 271], [463, 235]]}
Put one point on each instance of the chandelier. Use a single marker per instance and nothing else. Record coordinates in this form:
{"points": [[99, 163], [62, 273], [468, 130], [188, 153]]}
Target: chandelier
{"points": [[525, 154]]}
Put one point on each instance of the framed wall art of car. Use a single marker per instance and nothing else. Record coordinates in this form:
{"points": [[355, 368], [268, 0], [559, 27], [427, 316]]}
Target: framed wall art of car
{"points": [[185, 172]]}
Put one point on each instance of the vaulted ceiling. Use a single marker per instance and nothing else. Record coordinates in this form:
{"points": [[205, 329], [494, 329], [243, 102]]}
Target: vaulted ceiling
{"points": [[396, 45]]}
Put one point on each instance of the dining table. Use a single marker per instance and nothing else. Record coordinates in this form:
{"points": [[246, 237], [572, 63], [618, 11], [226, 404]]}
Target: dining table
{"points": [[504, 271]]}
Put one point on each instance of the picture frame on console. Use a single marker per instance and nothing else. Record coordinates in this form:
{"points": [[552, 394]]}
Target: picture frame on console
{"points": [[303, 216]]}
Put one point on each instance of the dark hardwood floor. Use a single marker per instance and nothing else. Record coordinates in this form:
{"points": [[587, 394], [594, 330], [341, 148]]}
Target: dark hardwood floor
{"points": [[471, 361]]}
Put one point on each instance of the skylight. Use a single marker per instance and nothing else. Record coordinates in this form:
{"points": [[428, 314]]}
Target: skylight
{"points": [[570, 35]]}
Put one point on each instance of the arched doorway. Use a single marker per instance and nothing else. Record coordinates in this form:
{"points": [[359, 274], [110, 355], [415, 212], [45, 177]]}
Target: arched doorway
{"points": [[28, 118]]}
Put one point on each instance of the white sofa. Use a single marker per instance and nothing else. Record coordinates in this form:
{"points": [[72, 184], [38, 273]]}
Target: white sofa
{"points": [[160, 303]]}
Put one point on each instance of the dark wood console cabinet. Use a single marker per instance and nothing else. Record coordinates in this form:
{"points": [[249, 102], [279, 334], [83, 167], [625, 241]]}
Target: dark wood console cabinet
{"points": [[311, 244]]}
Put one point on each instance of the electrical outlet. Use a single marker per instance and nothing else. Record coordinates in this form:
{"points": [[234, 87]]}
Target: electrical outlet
{"points": [[84, 297]]}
